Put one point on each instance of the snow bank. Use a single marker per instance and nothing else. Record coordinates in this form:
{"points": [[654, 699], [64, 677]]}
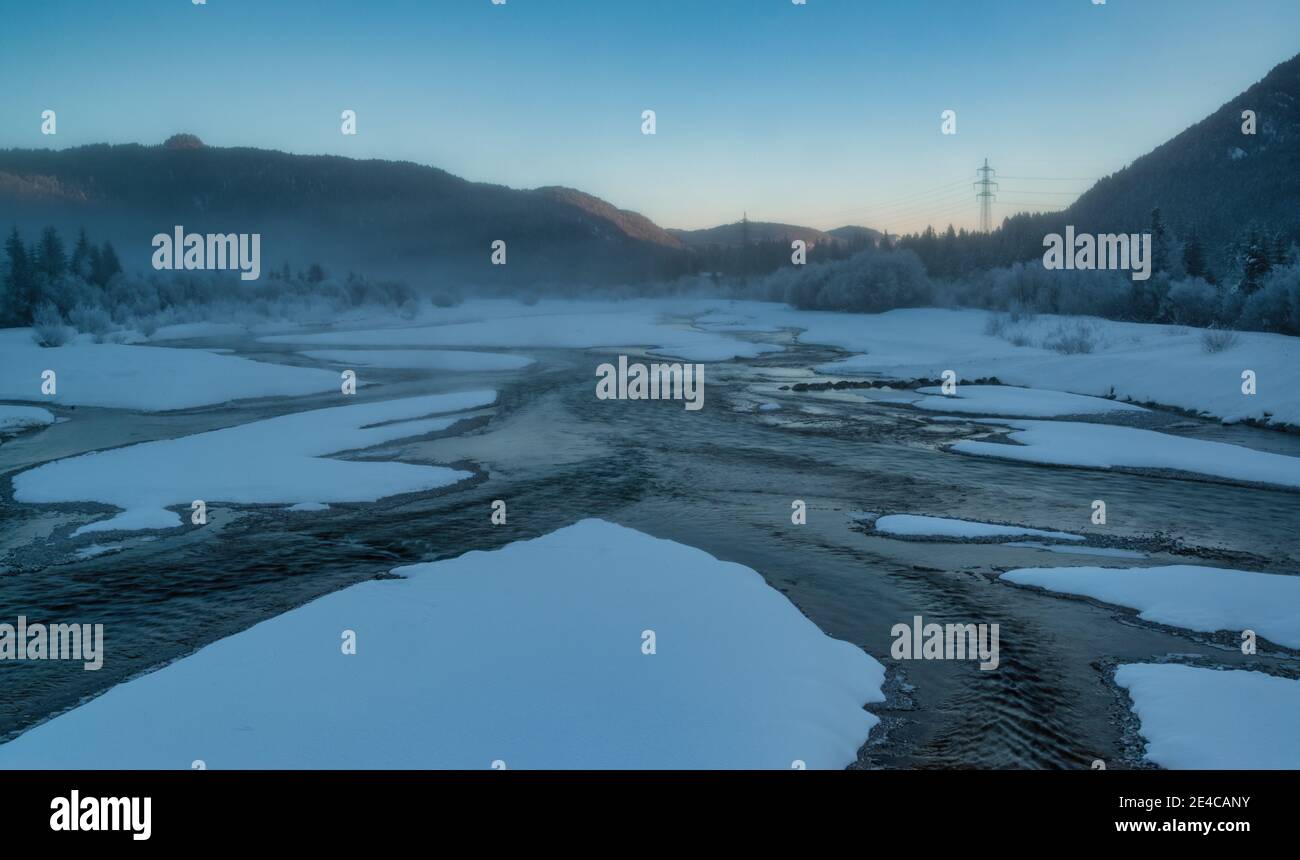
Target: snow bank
{"points": [[421, 359], [278, 461], [1205, 599], [149, 378], [16, 419], [1141, 362], [531, 655], [1211, 719], [1022, 402], [914, 525], [557, 324], [1101, 446]]}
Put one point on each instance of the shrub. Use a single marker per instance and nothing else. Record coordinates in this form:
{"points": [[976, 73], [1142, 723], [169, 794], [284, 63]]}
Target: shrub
{"points": [[1218, 339], [1275, 306], [1074, 339], [446, 299], [1019, 337], [91, 320], [48, 328], [1192, 301], [868, 282]]}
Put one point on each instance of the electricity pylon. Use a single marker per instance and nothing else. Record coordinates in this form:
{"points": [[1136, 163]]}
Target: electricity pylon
{"points": [[985, 189]]}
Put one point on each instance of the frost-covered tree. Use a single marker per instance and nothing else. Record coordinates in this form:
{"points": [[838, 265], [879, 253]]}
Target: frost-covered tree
{"points": [[1254, 261]]}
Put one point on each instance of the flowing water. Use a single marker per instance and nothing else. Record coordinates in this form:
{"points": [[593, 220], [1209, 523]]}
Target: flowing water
{"points": [[721, 479]]}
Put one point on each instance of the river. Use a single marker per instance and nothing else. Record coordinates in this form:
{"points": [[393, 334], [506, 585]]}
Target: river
{"points": [[721, 479]]}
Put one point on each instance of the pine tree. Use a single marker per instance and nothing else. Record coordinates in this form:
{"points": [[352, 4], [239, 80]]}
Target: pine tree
{"points": [[51, 261], [1159, 251], [18, 281], [1255, 262], [1194, 256], [80, 262], [744, 248], [104, 264]]}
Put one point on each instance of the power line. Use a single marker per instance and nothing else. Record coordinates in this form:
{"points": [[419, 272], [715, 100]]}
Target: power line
{"points": [[1027, 191], [896, 202], [906, 200], [1054, 178], [905, 209]]}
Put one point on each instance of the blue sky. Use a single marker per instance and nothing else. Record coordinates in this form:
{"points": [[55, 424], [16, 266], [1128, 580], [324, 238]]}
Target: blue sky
{"points": [[821, 114]]}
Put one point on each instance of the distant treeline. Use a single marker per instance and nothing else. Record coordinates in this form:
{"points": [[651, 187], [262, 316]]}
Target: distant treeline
{"points": [[956, 254], [761, 257], [87, 291], [1260, 291], [36, 273]]}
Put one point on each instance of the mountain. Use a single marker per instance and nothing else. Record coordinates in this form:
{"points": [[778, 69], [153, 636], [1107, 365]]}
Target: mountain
{"points": [[380, 217], [855, 235], [733, 235], [1212, 177], [605, 215]]}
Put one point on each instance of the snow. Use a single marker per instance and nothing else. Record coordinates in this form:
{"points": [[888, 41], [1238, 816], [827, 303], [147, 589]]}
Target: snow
{"points": [[1102, 446], [149, 378], [302, 507], [914, 525], [277, 460], [556, 324], [1205, 599], [1136, 361], [769, 407], [1209, 719], [421, 359], [531, 655], [1021, 402], [1141, 362], [16, 419]]}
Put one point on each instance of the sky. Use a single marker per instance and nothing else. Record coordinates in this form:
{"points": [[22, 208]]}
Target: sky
{"points": [[821, 114]]}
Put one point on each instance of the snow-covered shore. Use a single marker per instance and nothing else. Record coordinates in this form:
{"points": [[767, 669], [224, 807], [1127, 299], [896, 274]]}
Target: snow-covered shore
{"points": [[1136, 362], [1204, 599], [16, 419], [277, 460], [148, 378], [1098, 446], [1206, 719], [595, 646]]}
